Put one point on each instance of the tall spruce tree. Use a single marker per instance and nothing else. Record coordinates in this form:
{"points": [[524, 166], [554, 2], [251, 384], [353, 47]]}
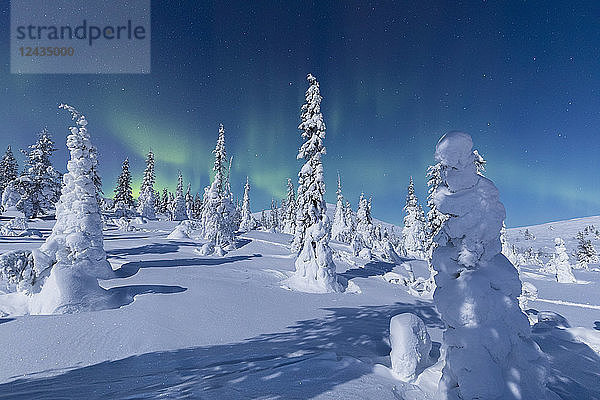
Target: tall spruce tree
{"points": [[315, 270], [247, 220], [164, 202], [435, 218], [289, 217], [414, 237], [340, 229], [147, 200], [123, 201], [218, 210], [8, 169], [189, 202], [364, 221], [178, 208], [39, 184]]}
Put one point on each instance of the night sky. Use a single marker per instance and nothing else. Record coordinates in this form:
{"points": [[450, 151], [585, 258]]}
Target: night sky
{"points": [[523, 78]]}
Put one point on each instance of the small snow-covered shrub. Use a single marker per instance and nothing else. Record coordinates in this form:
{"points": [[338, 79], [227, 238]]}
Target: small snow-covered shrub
{"points": [[365, 253], [410, 344], [206, 249], [16, 271], [17, 223], [4, 231]]}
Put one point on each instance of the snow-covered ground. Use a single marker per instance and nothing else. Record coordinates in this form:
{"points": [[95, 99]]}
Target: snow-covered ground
{"points": [[192, 326]]}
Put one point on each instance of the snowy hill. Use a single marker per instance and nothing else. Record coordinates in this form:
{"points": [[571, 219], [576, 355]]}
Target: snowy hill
{"points": [[191, 326]]}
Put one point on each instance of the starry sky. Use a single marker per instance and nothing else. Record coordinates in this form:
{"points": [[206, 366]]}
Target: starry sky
{"points": [[522, 77]]}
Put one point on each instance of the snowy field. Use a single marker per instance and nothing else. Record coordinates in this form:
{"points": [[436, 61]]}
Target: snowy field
{"points": [[191, 326]]}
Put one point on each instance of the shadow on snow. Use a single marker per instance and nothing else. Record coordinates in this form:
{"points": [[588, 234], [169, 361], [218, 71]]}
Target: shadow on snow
{"points": [[131, 268], [310, 358]]}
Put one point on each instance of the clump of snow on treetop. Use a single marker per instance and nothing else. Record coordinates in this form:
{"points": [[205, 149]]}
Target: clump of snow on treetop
{"points": [[488, 350], [72, 258]]}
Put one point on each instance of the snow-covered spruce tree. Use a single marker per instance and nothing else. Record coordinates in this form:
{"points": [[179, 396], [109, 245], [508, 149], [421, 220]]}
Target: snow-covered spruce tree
{"points": [[157, 201], [72, 258], [189, 202], [479, 163], [489, 353], [263, 220], [39, 184], [218, 210], [274, 216], [178, 207], [364, 221], [123, 201], [507, 249], [414, 238], [8, 169], [289, 216], [350, 218], [198, 203], [435, 219], [559, 263], [340, 229], [147, 201], [97, 179], [247, 223], [315, 270], [586, 253], [164, 202]]}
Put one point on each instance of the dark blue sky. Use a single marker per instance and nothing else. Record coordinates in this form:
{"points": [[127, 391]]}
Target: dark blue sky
{"points": [[523, 78]]}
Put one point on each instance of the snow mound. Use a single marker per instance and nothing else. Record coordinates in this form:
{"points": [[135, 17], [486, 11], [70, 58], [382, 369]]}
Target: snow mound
{"points": [[410, 344], [180, 232]]}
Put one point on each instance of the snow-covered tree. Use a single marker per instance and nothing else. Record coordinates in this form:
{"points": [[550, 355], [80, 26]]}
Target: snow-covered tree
{"points": [[72, 258], [8, 169], [289, 216], [263, 220], [477, 289], [315, 270], [97, 179], [189, 202], [247, 223], [435, 219], [157, 201], [39, 184], [147, 201], [350, 217], [274, 216], [507, 249], [414, 237], [178, 207], [198, 203], [364, 221], [123, 201], [218, 210], [586, 253], [164, 202], [479, 163], [341, 229], [559, 264]]}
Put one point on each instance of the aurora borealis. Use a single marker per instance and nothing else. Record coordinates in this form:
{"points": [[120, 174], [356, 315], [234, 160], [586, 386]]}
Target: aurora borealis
{"points": [[523, 78]]}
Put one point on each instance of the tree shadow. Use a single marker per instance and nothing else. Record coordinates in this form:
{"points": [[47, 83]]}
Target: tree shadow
{"points": [[124, 295], [372, 268], [574, 367], [132, 268], [308, 359], [154, 248], [5, 320]]}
